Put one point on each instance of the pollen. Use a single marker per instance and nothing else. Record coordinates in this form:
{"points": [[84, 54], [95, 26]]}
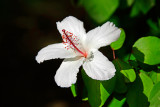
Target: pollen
{"points": [[71, 41]]}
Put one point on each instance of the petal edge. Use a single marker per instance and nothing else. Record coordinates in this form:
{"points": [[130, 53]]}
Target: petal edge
{"points": [[66, 75], [54, 51], [99, 68]]}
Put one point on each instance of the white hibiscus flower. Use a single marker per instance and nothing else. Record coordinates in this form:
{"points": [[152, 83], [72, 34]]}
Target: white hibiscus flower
{"points": [[81, 48]]}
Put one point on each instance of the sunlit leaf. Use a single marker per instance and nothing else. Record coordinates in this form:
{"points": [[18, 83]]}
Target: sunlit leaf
{"points": [[147, 83], [117, 103], [155, 76], [73, 90], [118, 44], [147, 50], [100, 10], [154, 97], [85, 99], [98, 91]]}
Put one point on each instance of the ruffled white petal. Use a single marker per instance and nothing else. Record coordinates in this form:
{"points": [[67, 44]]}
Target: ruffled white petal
{"points": [[102, 36], [72, 25], [66, 75], [54, 51], [99, 68]]}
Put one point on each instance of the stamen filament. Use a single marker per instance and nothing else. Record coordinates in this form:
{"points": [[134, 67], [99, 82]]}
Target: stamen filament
{"points": [[84, 54]]}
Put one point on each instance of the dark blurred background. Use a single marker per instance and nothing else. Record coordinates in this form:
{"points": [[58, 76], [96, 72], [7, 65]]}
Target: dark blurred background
{"points": [[26, 26]]}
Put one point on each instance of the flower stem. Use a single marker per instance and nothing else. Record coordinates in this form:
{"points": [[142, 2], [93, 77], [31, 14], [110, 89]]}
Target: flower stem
{"points": [[114, 57]]}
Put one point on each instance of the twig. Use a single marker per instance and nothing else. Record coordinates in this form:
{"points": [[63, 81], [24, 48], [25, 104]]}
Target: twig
{"points": [[114, 57]]}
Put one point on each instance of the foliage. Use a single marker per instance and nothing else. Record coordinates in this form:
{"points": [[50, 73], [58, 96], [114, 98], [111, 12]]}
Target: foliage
{"points": [[118, 44], [147, 50], [137, 61], [154, 96], [95, 8]]}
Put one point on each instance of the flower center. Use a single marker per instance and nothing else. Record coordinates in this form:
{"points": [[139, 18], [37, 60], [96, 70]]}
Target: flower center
{"points": [[71, 41]]}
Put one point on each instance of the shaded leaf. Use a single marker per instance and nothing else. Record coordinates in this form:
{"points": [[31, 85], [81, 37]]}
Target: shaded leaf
{"points": [[100, 10], [139, 90], [98, 91], [154, 27], [159, 22], [145, 5], [128, 57], [147, 50], [125, 69], [130, 2], [147, 67], [134, 11], [118, 44], [84, 94], [141, 6]]}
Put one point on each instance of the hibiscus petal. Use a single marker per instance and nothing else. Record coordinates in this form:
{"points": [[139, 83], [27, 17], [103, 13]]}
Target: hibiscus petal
{"points": [[73, 25], [99, 68], [102, 36], [54, 51], [66, 75]]}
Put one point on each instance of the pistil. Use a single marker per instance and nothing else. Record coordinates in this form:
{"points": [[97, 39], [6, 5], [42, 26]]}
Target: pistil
{"points": [[71, 42]]}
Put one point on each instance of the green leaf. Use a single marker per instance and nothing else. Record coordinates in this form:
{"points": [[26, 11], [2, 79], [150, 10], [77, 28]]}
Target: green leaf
{"points": [[125, 69], [147, 67], [84, 94], [73, 90], [129, 74], [117, 103], [118, 44], [147, 50], [134, 11], [100, 10], [98, 91], [128, 57], [120, 86], [154, 97], [141, 6], [147, 84], [145, 5], [139, 91], [130, 2], [159, 22], [152, 25], [155, 76]]}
